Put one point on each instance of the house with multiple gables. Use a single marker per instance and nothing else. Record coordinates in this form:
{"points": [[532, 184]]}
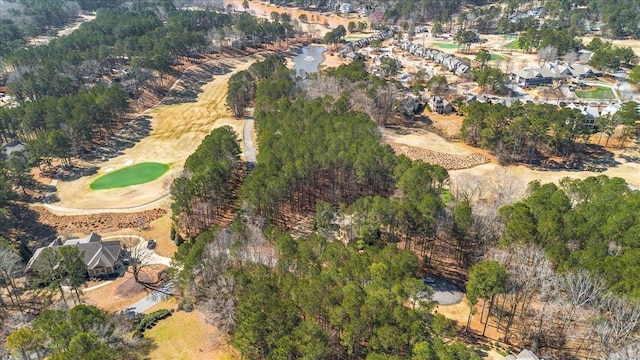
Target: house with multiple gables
{"points": [[101, 257], [451, 62], [354, 45], [440, 106], [553, 71]]}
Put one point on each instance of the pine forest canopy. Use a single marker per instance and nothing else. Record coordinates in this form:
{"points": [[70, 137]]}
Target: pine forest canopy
{"points": [[588, 224], [321, 300]]}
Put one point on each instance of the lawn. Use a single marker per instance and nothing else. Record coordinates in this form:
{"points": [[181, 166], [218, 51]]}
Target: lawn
{"points": [[596, 92], [497, 57], [132, 175], [445, 45], [186, 336], [514, 45], [356, 37]]}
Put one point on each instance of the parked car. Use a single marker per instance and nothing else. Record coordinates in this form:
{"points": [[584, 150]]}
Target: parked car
{"points": [[151, 244]]}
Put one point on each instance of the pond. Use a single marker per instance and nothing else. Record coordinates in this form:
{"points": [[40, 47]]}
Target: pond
{"points": [[308, 59]]}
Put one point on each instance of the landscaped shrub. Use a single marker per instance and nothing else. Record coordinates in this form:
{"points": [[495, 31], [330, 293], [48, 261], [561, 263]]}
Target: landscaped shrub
{"points": [[150, 320], [185, 305]]}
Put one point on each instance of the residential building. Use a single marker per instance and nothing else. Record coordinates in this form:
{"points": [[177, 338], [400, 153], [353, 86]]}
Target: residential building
{"points": [[12, 147], [533, 77], [550, 72], [440, 106], [101, 257]]}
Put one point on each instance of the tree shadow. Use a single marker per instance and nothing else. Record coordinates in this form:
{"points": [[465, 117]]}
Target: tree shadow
{"points": [[190, 85], [135, 130], [26, 225], [74, 172]]}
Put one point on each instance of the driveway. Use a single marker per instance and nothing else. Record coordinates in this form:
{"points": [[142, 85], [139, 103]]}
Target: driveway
{"points": [[151, 300], [249, 147]]}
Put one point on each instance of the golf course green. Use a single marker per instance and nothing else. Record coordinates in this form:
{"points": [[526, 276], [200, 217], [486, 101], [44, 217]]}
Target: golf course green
{"points": [[131, 175]]}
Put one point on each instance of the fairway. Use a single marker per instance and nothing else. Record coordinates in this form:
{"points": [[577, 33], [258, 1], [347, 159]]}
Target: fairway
{"points": [[132, 175], [496, 57]]}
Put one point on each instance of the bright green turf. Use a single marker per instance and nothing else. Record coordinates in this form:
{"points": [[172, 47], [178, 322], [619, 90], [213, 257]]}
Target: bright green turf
{"points": [[356, 37], [132, 175], [445, 45], [446, 196], [497, 57], [600, 92], [514, 45]]}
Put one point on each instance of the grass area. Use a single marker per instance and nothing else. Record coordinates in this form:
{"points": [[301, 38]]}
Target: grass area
{"points": [[356, 37], [497, 57], [185, 336], [132, 175], [446, 196], [596, 92], [445, 45], [514, 45]]}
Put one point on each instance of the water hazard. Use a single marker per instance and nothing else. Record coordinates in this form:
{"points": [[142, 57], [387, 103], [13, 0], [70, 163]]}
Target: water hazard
{"points": [[308, 58]]}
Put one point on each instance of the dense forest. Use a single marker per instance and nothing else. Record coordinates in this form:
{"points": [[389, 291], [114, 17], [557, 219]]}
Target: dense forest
{"points": [[331, 230], [83, 332], [319, 285], [318, 298], [315, 299], [532, 132], [212, 172], [590, 224], [78, 86]]}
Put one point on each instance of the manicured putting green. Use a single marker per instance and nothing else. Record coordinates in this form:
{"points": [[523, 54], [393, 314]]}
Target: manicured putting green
{"points": [[131, 175]]}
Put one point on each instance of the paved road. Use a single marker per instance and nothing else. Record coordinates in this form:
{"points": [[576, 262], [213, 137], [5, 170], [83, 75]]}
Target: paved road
{"points": [[152, 299], [249, 147]]}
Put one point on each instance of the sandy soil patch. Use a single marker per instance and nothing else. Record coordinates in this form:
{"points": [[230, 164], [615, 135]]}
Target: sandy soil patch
{"points": [[450, 124], [176, 131], [423, 139], [431, 148], [460, 313], [111, 297]]}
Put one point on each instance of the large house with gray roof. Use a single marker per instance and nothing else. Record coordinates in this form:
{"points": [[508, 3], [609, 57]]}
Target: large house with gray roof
{"points": [[101, 257], [550, 72]]}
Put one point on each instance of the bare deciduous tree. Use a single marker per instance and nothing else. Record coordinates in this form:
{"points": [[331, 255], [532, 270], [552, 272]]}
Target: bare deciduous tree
{"points": [[547, 53], [10, 268], [617, 324]]}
